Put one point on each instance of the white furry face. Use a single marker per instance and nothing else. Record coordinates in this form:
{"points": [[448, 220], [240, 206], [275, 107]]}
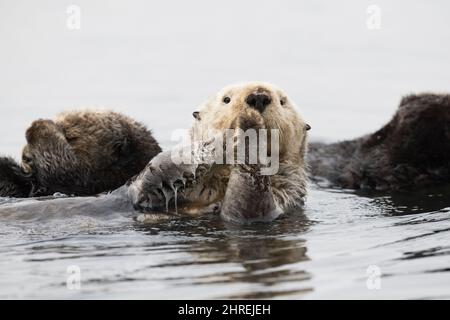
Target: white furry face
{"points": [[260, 104]]}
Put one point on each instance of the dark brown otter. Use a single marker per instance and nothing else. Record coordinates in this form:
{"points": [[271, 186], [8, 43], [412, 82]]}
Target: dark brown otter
{"points": [[412, 150], [13, 182], [83, 153]]}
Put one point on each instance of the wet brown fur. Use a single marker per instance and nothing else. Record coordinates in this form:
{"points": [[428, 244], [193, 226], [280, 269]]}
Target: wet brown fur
{"points": [[13, 182], [410, 151], [85, 152]]}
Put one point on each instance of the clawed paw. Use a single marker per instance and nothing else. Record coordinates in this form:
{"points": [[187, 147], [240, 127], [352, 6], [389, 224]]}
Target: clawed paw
{"points": [[161, 184]]}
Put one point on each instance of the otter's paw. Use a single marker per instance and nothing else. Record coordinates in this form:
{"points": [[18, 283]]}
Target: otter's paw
{"points": [[249, 197], [161, 182]]}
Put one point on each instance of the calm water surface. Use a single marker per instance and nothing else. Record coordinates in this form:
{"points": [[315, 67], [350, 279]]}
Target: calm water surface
{"points": [[323, 252]]}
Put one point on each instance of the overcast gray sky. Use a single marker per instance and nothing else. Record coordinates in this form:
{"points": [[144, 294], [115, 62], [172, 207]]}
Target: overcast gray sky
{"points": [[157, 61]]}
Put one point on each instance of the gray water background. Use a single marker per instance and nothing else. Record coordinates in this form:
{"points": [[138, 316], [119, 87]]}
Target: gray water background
{"points": [[157, 61]]}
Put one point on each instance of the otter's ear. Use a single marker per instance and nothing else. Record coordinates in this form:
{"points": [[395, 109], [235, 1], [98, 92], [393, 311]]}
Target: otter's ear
{"points": [[307, 127], [196, 115]]}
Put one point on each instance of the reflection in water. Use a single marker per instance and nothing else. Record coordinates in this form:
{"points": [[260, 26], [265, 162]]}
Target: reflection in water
{"points": [[261, 250], [321, 253], [432, 252], [411, 202], [264, 262]]}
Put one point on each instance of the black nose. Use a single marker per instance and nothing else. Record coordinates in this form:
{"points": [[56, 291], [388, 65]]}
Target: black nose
{"points": [[259, 101]]}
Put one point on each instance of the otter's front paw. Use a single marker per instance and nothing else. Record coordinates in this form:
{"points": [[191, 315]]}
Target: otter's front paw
{"points": [[161, 182], [249, 197]]}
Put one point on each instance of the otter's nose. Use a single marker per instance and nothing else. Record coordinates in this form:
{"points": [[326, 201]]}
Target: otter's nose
{"points": [[259, 101]]}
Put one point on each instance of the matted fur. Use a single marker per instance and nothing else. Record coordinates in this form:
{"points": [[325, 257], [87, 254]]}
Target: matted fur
{"points": [[13, 182], [412, 150], [85, 152]]}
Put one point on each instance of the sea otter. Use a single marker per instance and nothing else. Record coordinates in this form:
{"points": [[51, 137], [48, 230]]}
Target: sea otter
{"points": [[80, 153], [244, 190], [240, 191], [410, 151]]}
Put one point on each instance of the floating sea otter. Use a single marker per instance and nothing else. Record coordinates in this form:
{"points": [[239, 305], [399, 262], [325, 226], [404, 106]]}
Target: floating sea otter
{"points": [[80, 153], [411, 151], [240, 191]]}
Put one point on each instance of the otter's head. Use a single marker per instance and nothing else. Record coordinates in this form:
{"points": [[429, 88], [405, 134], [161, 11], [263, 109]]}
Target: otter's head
{"points": [[254, 105], [38, 159], [29, 168], [27, 160]]}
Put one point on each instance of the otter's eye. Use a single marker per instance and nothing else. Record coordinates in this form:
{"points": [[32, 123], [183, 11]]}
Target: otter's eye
{"points": [[226, 100], [282, 102], [27, 159]]}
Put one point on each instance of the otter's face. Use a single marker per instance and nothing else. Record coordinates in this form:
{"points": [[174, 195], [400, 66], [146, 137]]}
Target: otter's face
{"points": [[27, 161], [254, 105], [31, 168]]}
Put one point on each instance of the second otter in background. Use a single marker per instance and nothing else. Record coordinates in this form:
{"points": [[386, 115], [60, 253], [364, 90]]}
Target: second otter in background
{"points": [[85, 152], [410, 151]]}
